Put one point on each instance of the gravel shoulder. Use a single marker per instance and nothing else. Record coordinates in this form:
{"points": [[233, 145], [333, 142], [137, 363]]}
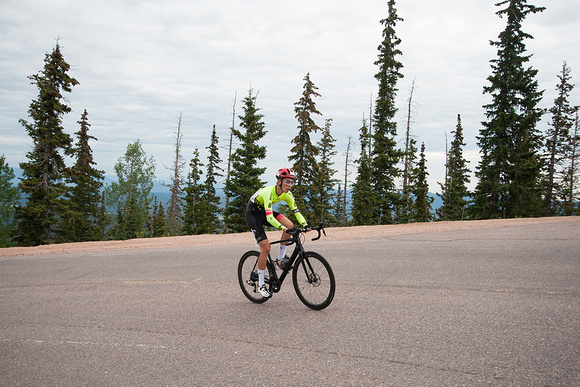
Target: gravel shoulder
{"points": [[332, 233]]}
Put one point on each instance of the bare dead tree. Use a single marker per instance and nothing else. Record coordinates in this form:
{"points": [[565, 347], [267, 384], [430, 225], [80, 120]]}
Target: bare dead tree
{"points": [[407, 166], [346, 173], [231, 143], [230, 151], [174, 210]]}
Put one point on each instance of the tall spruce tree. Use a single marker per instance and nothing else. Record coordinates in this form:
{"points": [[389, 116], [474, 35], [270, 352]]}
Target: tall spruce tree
{"points": [[194, 188], [421, 211], [9, 197], [324, 182], [42, 181], [213, 223], [558, 145], [304, 153], [385, 155], [454, 193], [130, 195], [245, 175], [510, 169], [570, 193], [362, 210], [81, 219], [405, 212]]}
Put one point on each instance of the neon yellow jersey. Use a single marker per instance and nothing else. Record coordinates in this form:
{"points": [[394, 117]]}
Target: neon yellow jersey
{"points": [[267, 196]]}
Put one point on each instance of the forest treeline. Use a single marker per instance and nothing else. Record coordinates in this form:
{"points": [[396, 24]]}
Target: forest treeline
{"points": [[523, 172]]}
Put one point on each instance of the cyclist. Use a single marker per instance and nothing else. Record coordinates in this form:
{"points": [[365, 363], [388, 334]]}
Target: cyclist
{"points": [[259, 212]]}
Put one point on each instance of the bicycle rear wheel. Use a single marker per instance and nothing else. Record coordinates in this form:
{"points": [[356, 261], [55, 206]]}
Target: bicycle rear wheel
{"points": [[248, 276], [314, 281]]}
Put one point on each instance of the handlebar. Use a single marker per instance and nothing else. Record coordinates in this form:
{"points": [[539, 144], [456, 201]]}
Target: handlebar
{"points": [[296, 231]]}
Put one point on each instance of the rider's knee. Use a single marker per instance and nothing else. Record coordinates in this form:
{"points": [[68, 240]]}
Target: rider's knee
{"points": [[265, 247]]}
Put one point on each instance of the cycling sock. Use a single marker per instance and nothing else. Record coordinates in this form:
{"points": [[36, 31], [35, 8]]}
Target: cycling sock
{"points": [[282, 252], [261, 275]]}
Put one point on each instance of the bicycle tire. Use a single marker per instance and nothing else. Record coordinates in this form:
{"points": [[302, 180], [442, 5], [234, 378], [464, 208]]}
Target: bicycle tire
{"points": [[313, 281], [248, 276]]}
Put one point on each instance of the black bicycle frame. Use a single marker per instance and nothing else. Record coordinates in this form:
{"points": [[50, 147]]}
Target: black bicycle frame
{"points": [[276, 281], [298, 250]]}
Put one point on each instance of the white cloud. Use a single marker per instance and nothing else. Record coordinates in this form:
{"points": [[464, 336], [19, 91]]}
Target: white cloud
{"points": [[141, 63]]}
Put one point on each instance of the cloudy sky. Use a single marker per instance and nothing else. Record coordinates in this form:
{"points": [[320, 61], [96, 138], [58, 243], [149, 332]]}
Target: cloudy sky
{"points": [[142, 63]]}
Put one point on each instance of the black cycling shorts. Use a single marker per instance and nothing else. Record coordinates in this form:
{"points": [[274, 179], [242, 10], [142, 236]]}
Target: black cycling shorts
{"points": [[256, 218]]}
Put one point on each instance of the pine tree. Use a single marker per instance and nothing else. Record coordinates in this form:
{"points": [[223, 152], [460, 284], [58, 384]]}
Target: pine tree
{"points": [[385, 155], [156, 221], [338, 209], [324, 182], [80, 221], [9, 197], [213, 223], [558, 144], [422, 203], [510, 168], [43, 175], [570, 197], [362, 211], [130, 194], [193, 196], [454, 190], [245, 176], [304, 152], [405, 212]]}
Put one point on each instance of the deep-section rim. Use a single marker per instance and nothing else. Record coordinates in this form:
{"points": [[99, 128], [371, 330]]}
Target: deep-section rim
{"points": [[315, 296], [245, 268]]}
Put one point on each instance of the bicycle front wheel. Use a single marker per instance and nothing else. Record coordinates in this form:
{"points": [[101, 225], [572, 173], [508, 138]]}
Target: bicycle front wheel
{"points": [[248, 276], [314, 281]]}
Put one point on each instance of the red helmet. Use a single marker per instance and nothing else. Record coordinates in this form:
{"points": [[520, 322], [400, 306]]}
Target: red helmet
{"points": [[286, 173]]}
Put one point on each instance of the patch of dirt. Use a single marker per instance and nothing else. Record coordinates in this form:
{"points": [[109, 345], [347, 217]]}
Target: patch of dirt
{"points": [[332, 233]]}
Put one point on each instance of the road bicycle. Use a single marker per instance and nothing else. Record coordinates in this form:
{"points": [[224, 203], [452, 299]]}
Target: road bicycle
{"points": [[312, 275]]}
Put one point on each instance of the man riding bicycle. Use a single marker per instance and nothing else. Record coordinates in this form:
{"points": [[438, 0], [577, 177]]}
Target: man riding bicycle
{"points": [[259, 212]]}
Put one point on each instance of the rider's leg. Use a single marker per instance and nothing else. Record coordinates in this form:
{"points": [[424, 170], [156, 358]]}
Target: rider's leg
{"points": [[288, 224], [264, 251]]}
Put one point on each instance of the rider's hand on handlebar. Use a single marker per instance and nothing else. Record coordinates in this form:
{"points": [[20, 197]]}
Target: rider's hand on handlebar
{"points": [[308, 228]]}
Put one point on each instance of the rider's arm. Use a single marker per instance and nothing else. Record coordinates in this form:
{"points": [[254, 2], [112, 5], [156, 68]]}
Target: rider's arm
{"points": [[292, 205], [266, 196]]}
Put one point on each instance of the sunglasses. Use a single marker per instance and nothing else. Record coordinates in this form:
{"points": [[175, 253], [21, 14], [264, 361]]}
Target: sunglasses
{"points": [[289, 182]]}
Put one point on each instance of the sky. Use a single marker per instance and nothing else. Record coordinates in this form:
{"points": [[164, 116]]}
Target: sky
{"points": [[142, 64]]}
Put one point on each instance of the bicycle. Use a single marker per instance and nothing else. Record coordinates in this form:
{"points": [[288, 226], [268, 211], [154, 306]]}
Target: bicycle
{"points": [[312, 275]]}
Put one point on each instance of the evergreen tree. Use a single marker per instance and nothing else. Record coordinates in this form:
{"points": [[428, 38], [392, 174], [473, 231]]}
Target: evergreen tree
{"points": [[305, 152], [130, 194], [324, 182], [570, 197], [558, 144], [156, 220], [454, 190], [385, 155], [510, 168], [213, 223], [43, 175], [338, 209], [9, 197], [422, 204], [193, 196], [362, 211], [245, 175], [405, 213], [81, 219]]}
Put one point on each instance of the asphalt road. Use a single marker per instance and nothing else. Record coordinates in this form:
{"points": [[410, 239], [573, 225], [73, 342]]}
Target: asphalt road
{"points": [[497, 306]]}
